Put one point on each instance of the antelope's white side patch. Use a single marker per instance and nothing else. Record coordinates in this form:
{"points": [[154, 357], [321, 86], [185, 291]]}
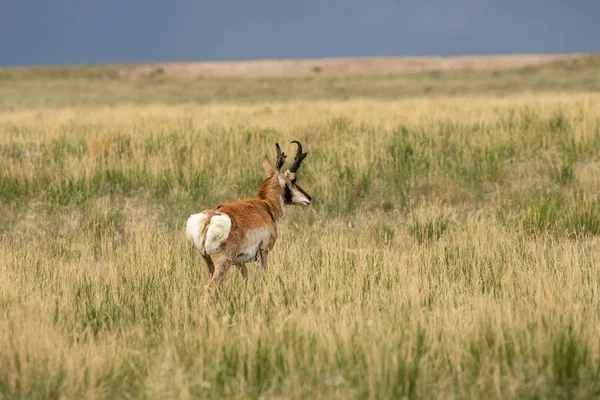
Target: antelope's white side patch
{"points": [[252, 242], [193, 230], [217, 232]]}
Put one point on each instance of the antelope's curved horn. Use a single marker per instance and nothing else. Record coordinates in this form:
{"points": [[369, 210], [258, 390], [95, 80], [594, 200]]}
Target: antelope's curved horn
{"points": [[298, 158], [280, 160]]}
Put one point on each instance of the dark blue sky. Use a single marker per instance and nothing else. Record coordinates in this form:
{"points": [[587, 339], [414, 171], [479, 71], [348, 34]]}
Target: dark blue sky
{"points": [[110, 31]]}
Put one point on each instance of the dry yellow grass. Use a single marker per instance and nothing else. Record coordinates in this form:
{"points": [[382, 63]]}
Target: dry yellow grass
{"points": [[451, 251]]}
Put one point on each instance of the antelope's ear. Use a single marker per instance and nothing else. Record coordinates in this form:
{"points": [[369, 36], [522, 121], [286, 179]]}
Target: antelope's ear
{"points": [[267, 166]]}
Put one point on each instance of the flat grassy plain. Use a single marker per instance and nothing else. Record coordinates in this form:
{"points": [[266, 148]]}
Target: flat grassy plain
{"points": [[92, 86], [452, 249]]}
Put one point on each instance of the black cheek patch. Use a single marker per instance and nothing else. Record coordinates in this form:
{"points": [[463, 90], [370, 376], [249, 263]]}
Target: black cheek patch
{"points": [[288, 195]]}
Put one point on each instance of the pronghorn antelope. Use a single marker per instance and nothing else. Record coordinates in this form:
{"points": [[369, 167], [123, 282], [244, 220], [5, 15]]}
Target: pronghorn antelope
{"points": [[246, 230]]}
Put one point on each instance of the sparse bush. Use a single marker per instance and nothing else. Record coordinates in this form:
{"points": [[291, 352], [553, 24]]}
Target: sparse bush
{"points": [[340, 124], [429, 228], [582, 218], [562, 174], [570, 354], [383, 234], [541, 217]]}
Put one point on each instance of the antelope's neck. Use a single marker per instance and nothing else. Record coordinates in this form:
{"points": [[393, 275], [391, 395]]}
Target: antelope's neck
{"points": [[277, 207], [272, 195]]}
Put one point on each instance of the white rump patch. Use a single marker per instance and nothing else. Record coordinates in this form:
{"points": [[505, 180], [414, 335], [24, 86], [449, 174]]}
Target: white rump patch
{"points": [[218, 231], [193, 230]]}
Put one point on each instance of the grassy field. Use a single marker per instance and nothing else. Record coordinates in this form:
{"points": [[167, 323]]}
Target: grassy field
{"points": [[93, 86], [451, 251]]}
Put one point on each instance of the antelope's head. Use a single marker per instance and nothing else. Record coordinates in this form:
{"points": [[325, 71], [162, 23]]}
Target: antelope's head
{"points": [[286, 179]]}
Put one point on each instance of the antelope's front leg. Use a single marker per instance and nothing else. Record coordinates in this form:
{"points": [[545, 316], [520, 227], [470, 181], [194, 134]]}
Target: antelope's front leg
{"points": [[243, 270], [262, 261]]}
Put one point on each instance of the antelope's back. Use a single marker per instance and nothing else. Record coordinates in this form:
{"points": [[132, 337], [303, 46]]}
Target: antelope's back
{"points": [[247, 215]]}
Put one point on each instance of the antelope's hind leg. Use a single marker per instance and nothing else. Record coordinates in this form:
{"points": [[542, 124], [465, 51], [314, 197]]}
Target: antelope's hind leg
{"points": [[243, 270], [222, 266], [209, 264]]}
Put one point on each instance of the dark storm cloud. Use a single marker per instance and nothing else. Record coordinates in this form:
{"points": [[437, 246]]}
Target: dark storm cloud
{"points": [[71, 31]]}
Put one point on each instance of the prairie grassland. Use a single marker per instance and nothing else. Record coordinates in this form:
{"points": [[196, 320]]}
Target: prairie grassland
{"points": [[452, 251], [92, 86]]}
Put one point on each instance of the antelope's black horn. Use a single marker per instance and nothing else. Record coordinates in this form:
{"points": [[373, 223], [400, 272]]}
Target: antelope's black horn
{"points": [[280, 160], [298, 158]]}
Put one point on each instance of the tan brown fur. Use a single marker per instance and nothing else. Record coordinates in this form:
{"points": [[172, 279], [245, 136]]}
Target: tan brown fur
{"points": [[249, 214]]}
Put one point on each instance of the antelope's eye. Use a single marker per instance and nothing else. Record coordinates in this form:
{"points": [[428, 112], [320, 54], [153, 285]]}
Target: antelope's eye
{"points": [[293, 181]]}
